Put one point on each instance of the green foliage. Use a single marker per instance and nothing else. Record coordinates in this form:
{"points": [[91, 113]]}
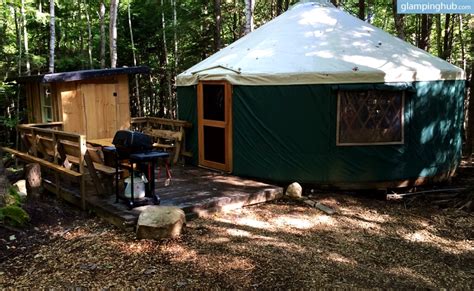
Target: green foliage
{"points": [[194, 29], [13, 192], [12, 213]]}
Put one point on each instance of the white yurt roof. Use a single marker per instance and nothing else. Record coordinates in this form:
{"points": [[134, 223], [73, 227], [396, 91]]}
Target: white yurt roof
{"points": [[317, 43]]}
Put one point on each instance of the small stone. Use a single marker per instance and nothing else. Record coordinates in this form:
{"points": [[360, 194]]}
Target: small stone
{"points": [[21, 187], [149, 271], [294, 190], [89, 267], [12, 237]]}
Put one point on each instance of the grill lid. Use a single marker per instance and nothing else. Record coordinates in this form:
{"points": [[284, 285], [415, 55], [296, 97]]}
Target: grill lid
{"points": [[128, 142]]}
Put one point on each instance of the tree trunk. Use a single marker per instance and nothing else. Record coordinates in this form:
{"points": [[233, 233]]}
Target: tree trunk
{"points": [[89, 38], [175, 36], [217, 21], [52, 36], [18, 38], [279, 7], [113, 33], [448, 37], [335, 2], [361, 13], [102, 34], [439, 44], [25, 37], [471, 97], [137, 89], [33, 181], [236, 27], [399, 21], [249, 5], [470, 123], [462, 42], [165, 82], [81, 38], [175, 55], [425, 32]]}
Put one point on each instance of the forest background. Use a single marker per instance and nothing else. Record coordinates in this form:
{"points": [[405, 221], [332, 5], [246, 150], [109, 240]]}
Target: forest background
{"points": [[169, 36]]}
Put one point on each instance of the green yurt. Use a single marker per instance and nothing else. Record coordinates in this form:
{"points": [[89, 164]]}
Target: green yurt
{"points": [[319, 96]]}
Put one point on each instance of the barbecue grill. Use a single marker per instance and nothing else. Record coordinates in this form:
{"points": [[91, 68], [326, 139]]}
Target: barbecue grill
{"points": [[136, 148], [129, 142]]}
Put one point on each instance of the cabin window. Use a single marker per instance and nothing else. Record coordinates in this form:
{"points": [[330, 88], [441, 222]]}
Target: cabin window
{"points": [[370, 117], [46, 103]]}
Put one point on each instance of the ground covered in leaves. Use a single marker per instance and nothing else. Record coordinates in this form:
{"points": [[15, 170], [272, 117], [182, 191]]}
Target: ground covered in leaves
{"points": [[369, 242]]}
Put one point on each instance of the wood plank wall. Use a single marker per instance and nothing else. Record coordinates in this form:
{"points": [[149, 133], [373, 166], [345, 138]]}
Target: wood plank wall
{"points": [[33, 102], [97, 108], [72, 107]]}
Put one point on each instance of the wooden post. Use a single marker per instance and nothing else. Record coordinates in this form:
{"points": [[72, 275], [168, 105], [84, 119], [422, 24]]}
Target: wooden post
{"points": [[33, 181], [55, 157], [35, 143], [83, 149], [95, 178]]}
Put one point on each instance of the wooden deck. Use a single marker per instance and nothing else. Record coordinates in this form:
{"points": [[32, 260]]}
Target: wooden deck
{"points": [[199, 192]]}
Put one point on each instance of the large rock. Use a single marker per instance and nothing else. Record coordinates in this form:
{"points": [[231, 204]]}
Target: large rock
{"points": [[157, 222], [294, 190]]}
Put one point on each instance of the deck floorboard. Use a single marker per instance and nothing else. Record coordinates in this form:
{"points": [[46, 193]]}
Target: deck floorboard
{"points": [[199, 192]]}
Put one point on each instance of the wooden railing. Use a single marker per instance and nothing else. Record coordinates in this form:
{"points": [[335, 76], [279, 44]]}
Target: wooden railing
{"points": [[51, 149], [168, 134], [57, 125]]}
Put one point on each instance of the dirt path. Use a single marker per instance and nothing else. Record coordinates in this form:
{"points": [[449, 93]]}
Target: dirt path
{"points": [[368, 243]]}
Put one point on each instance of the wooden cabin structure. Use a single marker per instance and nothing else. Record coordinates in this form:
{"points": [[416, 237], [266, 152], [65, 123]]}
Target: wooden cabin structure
{"points": [[94, 103]]}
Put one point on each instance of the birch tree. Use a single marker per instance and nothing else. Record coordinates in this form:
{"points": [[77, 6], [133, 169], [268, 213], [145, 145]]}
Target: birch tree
{"points": [[113, 33], [132, 42], [52, 36], [13, 10], [102, 34], [217, 22], [175, 35], [25, 37], [249, 6], [89, 37], [439, 43], [470, 123]]}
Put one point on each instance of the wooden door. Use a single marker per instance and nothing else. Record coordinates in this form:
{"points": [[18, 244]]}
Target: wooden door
{"points": [[100, 109], [215, 125]]}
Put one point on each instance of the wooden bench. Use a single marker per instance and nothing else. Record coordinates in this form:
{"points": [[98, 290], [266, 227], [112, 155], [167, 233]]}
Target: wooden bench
{"points": [[168, 134], [61, 152]]}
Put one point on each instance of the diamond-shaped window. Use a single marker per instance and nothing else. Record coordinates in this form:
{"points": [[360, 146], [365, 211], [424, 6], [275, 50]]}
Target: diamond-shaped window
{"points": [[370, 117]]}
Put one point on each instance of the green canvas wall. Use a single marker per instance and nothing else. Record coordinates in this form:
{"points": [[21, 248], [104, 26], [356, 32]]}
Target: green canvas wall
{"points": [[288, 133]]}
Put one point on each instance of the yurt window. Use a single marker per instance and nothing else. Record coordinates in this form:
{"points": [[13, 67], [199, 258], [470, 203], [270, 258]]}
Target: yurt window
{"points": [[370, 117], [46, 103]]}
